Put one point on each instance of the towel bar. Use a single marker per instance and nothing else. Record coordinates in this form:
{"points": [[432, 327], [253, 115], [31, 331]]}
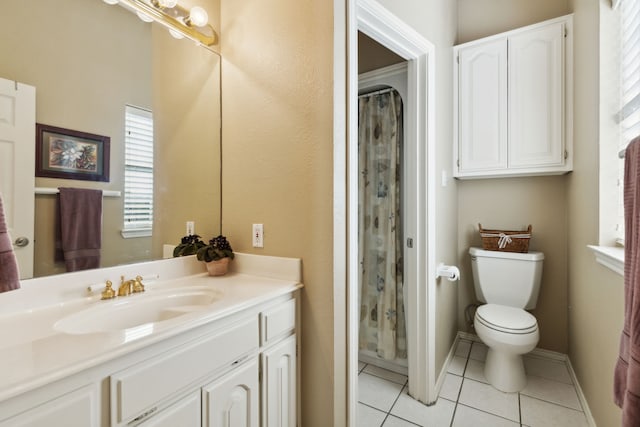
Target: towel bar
{"points": [[48, 190]]}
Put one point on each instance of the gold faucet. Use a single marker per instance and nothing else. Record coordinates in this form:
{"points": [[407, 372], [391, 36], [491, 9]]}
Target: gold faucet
{"points": [[108, 292], [130, 286]]}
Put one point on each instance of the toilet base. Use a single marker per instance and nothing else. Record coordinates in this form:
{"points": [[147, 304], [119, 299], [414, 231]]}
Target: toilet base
{"points": [[505, 371]]}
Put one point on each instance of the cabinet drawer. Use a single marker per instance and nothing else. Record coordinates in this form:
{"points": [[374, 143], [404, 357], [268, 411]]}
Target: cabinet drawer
{"points": [[277, 321], [137, 389]]}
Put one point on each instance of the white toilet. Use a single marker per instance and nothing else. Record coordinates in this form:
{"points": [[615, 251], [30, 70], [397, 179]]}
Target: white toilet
{"points": [[508, 283]]}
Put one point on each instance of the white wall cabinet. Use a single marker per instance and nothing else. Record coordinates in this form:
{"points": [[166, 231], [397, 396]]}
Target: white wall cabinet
{"points": [[513, 97]]}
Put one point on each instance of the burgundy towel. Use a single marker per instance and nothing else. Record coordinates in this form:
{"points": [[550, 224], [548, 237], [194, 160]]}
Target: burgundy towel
{"points": [[626, 382], [80, 214], [9, 276]]}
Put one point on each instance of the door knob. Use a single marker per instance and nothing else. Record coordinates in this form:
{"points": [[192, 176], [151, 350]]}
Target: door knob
{"points": [[21, 241]]}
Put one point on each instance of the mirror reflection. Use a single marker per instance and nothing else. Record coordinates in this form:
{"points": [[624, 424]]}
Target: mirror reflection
{"points": [[89, 62]]}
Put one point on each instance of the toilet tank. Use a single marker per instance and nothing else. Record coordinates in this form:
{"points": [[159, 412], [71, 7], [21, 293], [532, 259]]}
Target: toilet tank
{"points": [[507, 278]]}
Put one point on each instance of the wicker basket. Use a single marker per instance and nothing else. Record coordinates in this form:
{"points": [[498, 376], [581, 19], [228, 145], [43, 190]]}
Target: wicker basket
{"points": [[504, 240]]}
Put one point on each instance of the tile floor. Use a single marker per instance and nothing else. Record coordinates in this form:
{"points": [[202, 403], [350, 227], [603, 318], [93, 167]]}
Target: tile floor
{"points": [[466, 400]]}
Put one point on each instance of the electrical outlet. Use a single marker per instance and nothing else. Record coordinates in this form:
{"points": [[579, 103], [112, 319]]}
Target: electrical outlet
{"points": [[258, 236], [191, 228]]}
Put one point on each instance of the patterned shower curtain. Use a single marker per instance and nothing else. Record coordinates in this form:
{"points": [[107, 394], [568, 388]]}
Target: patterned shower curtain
{"points": [[382, 321]]}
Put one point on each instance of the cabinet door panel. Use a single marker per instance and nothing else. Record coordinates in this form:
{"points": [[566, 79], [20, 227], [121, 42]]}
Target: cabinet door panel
{"points": [[483, 106], [232, 400], [536, 88], [185, 413], [279, 384]]}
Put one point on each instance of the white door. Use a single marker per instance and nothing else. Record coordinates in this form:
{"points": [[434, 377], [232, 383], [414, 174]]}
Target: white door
{"points": [[232, 401], [279, 384], [482, 102], [185, 413], [536, 93], [17, 167]]}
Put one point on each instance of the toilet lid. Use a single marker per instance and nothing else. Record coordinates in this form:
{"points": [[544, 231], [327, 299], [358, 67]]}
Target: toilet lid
{"points": [[506, 319]]}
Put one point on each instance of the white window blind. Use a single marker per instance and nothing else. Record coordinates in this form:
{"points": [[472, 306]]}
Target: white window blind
{"points": [[629, 115], [138, 172]]}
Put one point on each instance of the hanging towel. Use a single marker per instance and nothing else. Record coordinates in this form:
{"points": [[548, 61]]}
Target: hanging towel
{"points": [[80, 215], [9, 276], [627, 371]]}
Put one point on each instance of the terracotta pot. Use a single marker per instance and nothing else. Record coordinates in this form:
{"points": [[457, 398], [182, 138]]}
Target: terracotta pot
{"points": [[219, 267]]}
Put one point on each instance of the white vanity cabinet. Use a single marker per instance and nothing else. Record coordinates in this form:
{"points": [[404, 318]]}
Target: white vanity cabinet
{"points": [[239, 370], [513, 103]]}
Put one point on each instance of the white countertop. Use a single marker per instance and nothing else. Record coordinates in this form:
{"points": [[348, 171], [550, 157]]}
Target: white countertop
{"points": [[33, 353]]}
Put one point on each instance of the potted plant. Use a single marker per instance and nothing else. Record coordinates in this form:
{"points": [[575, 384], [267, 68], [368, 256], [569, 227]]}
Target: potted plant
{"points": [[217, 255], [189, 245]]}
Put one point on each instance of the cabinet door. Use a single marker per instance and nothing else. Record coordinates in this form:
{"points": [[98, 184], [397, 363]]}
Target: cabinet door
{"points": [[232, 400], [279, 384], [536, 94], [185, 413], [76, 409], [482, 107]]}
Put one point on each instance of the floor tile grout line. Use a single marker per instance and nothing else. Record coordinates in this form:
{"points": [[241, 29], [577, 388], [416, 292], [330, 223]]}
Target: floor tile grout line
{"points": [[394, 403], [487, 412], [554, 403], [519, 410]]}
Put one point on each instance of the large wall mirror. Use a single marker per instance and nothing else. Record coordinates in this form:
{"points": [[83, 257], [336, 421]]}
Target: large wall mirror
{"points": [[88, 61]]}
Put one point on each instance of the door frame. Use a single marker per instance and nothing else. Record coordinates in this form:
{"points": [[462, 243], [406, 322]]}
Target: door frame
{"points": [[371, 18]]}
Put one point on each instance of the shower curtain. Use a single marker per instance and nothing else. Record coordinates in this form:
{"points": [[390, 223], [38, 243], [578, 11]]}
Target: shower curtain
{"points": [[382, 321]]}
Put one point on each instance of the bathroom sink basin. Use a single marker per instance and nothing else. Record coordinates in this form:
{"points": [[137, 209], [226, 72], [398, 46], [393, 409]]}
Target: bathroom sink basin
{"points": [[136, 310]]}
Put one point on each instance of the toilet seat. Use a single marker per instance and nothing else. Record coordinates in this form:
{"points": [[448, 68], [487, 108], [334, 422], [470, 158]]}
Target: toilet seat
{"points": [[506, 319]]}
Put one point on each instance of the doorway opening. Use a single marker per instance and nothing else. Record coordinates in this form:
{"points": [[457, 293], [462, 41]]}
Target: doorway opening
{"points": [[377, 23], [382, 339]]}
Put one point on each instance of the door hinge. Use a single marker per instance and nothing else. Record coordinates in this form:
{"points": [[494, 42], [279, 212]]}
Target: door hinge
{"points": [[458, 59], [566, 32], [566, 154], [409, 242], [458, 162]]}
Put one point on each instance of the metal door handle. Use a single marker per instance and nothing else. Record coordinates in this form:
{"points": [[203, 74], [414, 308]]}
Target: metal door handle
{"points": [[21, 241]]}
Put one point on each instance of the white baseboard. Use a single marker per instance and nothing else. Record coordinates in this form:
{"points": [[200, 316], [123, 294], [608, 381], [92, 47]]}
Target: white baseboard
{"points": [[581, 396]]}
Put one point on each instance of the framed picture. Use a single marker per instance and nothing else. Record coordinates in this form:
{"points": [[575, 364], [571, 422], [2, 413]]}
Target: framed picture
{"points": [[69, 154]]}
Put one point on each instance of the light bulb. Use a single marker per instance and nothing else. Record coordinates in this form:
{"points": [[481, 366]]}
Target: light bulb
{"points": [[111, 1], [144, 17], [175, 34], [198, 16], [168, 3]]}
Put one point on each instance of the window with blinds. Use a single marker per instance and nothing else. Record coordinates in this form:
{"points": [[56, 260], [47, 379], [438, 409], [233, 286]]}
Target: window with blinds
{"points": [[629, 115], [138, 172]]}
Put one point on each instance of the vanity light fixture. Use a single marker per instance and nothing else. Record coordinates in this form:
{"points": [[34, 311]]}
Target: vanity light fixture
{"points": [[181, 22]]}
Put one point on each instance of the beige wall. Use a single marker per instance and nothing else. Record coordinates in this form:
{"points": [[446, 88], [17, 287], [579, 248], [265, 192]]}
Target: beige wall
{"points": [[481, 18], [277, 153], [514, 203], [595, 292], [186, 100], [75, 62], [436, 20]]}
